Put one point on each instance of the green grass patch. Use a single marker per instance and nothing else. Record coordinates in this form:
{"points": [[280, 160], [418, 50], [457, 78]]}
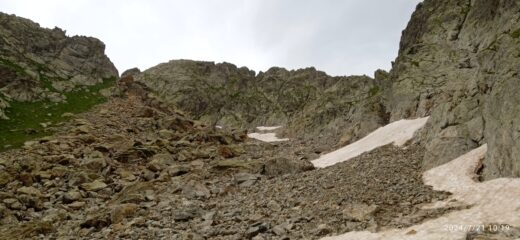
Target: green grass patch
{"points": [[515, 34], [25, 117], [374, 91], [17, 68]]}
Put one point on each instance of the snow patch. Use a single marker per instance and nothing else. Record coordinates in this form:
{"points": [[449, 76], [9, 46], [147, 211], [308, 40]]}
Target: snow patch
{"points": [[494, 201], [264, 128], [398, 132], [267, 137]]}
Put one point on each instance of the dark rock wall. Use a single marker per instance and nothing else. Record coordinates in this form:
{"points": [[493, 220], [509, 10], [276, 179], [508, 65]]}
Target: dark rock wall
{"points": [[458, 62]]}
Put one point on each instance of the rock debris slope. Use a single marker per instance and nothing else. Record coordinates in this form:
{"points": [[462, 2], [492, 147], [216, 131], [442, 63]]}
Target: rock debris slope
{"points": [[494, 213], [165, 153]]}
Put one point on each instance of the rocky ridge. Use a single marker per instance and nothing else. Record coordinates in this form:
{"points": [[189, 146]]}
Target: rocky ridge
{"points": [[41, 64], [312, 105]]}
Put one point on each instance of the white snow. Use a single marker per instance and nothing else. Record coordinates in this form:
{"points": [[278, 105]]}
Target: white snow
{"points": [[264, 128], [494, 201], [267, 137], [398, 132]]}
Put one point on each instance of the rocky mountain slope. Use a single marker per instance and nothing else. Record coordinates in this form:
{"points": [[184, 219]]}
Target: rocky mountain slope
{"points": [[42, 71], [458, 62], [131, 169], [310, 103], [146, 160]]}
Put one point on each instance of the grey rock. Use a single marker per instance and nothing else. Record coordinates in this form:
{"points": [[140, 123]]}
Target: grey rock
{"points": [[130, 72], [462, 71], [71, 196], [96, 185], [255, 229], [359, 212], [323, 229], [195, 190], [243, 177], [160, 162], [281, 166]]}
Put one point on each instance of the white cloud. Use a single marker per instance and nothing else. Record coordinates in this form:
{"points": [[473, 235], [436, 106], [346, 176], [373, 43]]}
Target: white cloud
{"points": [[339, 37]]}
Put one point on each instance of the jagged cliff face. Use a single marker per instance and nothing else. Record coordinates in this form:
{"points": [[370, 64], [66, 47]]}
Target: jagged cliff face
{"points": [[41, 64], [308, 102], [45, 76], [458, 62]]}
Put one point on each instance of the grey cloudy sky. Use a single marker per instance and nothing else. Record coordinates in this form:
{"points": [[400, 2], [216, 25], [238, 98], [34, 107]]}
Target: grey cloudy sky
{"points": [[340, 37]]}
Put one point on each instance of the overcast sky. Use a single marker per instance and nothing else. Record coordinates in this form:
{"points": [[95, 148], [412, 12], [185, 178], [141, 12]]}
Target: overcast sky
{"points": [[340, 37]]}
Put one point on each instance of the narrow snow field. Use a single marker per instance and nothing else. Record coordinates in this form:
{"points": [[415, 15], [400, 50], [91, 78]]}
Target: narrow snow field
{"points": [[398, 132], [267, 137], [264, 128], [493, 202]]}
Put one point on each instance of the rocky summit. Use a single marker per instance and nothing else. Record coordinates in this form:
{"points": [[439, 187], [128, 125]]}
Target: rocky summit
{"points": [[173, 152]]}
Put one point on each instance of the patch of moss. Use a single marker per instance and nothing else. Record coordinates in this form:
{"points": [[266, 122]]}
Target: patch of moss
{"points": [[374, 91], [415, 63], [515, 34], [26, 117], [17, 68]]}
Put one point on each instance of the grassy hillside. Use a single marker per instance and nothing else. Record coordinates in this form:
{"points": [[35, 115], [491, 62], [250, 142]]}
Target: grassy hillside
{"points": [[26, 118]]}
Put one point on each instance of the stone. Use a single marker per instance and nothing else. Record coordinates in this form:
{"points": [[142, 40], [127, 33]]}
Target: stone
{"points": [[77, 205], [175, 171], [255, 229], [71, 196], [160, 162], [96, 185], [5, 178], [279, 230], [29, 191], [244, 177], [226, 152], [13, 203], [195, 190], [359, 211], [95, 161], [281, 166], [123, 211], [130, 72], [26, 178], [127, 175], [187, 211], [323, 229]]}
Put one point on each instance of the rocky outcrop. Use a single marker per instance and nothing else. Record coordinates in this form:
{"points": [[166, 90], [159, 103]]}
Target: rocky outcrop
{"points": [[458, 62], [309, 102], [40, 64]]}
